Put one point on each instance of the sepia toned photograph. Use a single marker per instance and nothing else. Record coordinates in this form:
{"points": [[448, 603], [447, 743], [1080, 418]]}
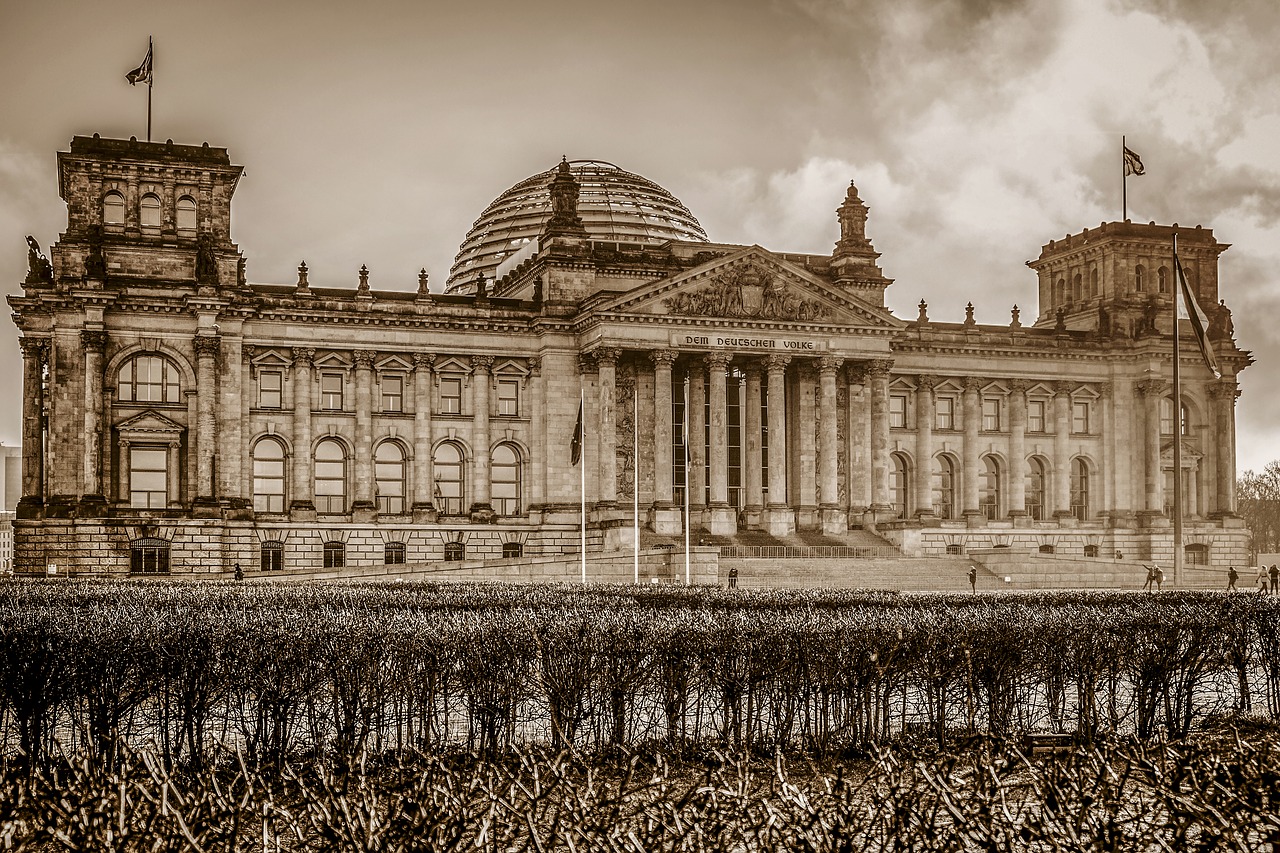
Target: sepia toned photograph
{"points": [[815, 425]]}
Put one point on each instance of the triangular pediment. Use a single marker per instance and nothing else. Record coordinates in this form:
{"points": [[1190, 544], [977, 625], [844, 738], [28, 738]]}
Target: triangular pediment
{"points": [[150, 421], [1190, 455], [752, 284]]}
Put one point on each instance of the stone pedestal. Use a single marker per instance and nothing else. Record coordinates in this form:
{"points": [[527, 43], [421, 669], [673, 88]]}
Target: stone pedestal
{"points": [[835, 522], [780, 521], [425, 513], [206, 507], [667, 520], [721, 520], [363, 512], [302, 511]]}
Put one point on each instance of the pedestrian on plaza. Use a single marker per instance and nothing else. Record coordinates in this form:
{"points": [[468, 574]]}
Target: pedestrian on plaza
{"points": [[1151, 578], [973, 579], [239, 573], [1275, 579], [1159, 578], [1262, 580], [1232, 577], [733, 577]]}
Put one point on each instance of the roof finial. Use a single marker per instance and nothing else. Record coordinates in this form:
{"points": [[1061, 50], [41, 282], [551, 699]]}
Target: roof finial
{"points": [[423, 288], [303, 284], [364, 280]]}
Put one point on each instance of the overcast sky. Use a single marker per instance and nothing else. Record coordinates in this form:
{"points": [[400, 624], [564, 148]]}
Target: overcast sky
{"points": [[375, 133]]}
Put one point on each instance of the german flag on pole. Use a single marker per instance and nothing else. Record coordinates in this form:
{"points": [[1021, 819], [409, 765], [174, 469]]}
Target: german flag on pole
{"points": [[575, 444], [1133, 163], [1189, 309], [141, 74]]}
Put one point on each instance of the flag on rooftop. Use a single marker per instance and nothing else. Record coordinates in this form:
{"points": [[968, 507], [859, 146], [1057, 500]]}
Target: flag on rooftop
{"points": [[1189, 309], [141, 74], [1132, 163]]}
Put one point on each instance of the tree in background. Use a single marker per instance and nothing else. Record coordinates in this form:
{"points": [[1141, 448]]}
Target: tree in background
{"points": [[1258, 500]]}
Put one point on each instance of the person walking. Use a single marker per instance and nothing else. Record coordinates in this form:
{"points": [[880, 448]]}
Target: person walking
{"points": [[1275, 578], [1159, 578], [1151, 578], [1232, 577], [733, 577], [973, 579], [1262, 580]]}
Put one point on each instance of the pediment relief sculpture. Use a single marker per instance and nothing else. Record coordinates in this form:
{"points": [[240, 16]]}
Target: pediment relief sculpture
{"points": [[747, 291]]}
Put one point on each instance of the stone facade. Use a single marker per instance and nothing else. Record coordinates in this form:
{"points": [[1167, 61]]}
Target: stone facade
{"points": [[196, 422]]}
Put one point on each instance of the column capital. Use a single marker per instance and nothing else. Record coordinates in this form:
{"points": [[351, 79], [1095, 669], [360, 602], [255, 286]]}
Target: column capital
{"points": [[606, 355], [1106, 390], [534, 363], [248, 352], [1018, 386], [972, 383], [1063, 388], [37, 348], [423, 360], [1151, 387], [663, 357], [1223, 389], [718, 360], [777, 363], [878, 368], [206, 345], [93, 340], [481, 363], [829, 364], [586, 362], [304, 356], [926, 382], [363, 358]]}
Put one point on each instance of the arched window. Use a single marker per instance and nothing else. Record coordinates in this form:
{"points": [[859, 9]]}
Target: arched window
{"points": [[1091, 550], [1035, 488], [1078, 289], [1061, 291], [268, 476], [1162, 278], [186, 214], [454, 552], [1046, 549], [335, 555], [393, 553], [989, 488], [899, 485], [388, 473], [149, 211], [148, 379], [946, 488], [1093, 282], [113, 209], [331, 477], [1138, 283], [512, 549], [149, 557], [1197, 554], [1166, 417], [1079, 489], [272, 556], [505, 480], [449, 492]]}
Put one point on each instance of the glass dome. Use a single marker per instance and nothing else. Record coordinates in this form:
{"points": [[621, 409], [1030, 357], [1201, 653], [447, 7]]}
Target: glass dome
{"points": [[614, 204]]}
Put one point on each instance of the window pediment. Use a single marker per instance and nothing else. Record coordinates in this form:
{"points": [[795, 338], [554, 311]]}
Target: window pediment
{"points": [[150, 426]]}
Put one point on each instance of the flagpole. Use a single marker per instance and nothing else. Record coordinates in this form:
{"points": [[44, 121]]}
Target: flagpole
{"points": [[1124, 183], [582, 478], [684, 435], [635, 467], [150, 77], [1177, 420]]}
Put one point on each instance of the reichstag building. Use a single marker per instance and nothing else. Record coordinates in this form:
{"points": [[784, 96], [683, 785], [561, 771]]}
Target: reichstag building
{"points": [[181, 418]]}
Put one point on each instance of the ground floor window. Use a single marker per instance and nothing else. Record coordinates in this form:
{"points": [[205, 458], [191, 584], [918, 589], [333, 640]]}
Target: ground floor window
{"points": [[394, 553], [1197, 554], [149, 557], [454, 552], [272, 556], [512, 549], [335, 555]]}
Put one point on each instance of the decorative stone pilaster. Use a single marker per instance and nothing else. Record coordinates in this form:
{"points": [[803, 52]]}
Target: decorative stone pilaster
{"points": [[424, 511], [925, 384], [753, 448], [1106, 419], [666, 517], [1018, 449], [1223, 395], [1152, 391], [780, 517], [35, 353], [972, 473], [696, 418], [302, 507], [363, 508], [721, 519], [1062, 453], [92, 502], [607, 455], [481, 376], [206, 347], [878, 381], [835, 522]]}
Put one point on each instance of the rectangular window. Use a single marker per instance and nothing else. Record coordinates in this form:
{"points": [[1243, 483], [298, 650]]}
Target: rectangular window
{"points": [[508, 398], [148, 477], [393, 393], [1035, 416], [450, 395], [898, 411], [331, 392], [944, 413], [991, 414], [270, 389], [1080, 417]]}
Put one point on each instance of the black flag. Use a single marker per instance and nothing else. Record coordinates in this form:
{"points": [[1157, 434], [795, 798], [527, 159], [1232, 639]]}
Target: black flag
{"points": [[575, 444], [1133, 163], [141, 74]]}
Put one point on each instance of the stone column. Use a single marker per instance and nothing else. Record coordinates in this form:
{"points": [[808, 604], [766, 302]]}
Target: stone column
{"points": [[126, 484], [722, 520], [607, 456], [363, 508], [481, 366], [878, 380], [206, 347], [1152, 391], [779, 517], [972, 474], [233, 441], [303, 506], [35, 351], [1106, 498], [924, 444], [834, 521], [1062, 452], [424, 511], [1119, 437], [248, 399], [665, 518], [537, 470], [1223, 395], [92, 501], [696, 473], [1018, 448], [172, 494], [752, 450]]}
